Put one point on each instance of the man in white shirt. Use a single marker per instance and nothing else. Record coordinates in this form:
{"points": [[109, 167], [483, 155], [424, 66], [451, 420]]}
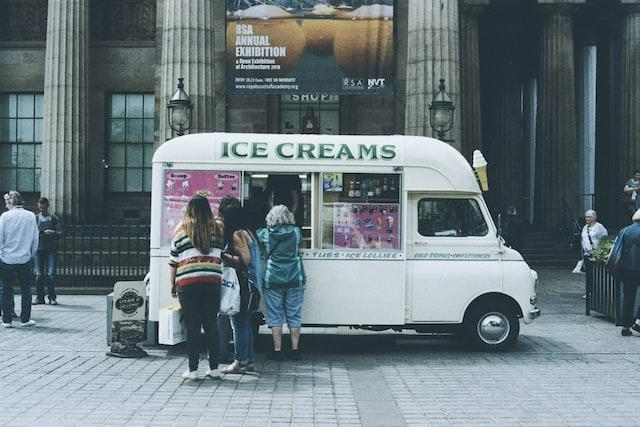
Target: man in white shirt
{"points": [[18, 246]]}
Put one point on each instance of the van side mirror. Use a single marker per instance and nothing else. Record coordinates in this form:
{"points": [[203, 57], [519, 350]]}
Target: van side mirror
{"points": [[499, 225]]}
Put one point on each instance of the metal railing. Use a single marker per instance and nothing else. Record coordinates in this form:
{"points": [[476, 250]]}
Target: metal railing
{"points": [[91, 255], [604, 292]]}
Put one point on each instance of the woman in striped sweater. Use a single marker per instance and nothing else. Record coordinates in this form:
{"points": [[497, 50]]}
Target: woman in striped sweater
{"points": [[195, 276]]}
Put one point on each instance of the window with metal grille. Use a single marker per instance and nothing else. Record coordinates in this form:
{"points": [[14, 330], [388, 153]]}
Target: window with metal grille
{"points": [[20, 141], [130, 134]]}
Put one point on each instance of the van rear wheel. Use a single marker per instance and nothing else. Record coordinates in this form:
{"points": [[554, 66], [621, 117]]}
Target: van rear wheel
{"points": [[492, 327]]}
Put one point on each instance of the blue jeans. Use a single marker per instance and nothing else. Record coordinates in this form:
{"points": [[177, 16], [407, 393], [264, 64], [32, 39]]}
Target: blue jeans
{"points": [[45, 264], [8, 274], [281, 303], [243, 338]]}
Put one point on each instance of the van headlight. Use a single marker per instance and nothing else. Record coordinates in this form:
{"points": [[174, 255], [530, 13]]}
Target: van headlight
{"points": [[533, 300]]}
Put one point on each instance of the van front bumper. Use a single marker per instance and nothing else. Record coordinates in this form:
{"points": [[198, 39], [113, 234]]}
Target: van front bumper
{"points": [[535, 313]]}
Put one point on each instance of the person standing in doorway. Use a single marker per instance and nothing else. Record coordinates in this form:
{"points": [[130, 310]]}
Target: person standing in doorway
{"points": [[195, 275], [18, 245], [45, 259], [287, 190], [627, 244]]}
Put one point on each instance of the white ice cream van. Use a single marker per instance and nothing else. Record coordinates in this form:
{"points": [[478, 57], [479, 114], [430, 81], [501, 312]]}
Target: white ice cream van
{"points": [[396, 231]]}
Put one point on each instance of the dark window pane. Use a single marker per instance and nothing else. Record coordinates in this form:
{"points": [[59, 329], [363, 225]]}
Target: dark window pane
{"points": [[116, 155], [4, 105], [115, 179], [7, 179], [148, 130], [26, 180], [134, 179], [37, 135], [8, 155], [26, 156], [134, 156], [149, 105], [148, 154], [25, 106], [116, 131], [25, 130], [134, 130], [450, 218], [147, 179], [134, 106], [117, 106], [39, 105], [7, 130]]}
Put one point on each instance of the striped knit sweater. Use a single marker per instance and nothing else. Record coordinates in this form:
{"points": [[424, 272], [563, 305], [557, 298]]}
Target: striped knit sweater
{"points": [[192, 265]]}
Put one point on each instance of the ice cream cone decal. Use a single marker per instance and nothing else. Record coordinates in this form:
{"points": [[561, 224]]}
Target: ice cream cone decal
{"points": [[480, 166]]}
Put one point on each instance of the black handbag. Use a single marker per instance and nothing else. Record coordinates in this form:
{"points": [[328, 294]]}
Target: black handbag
{"points": [[249, 295]]}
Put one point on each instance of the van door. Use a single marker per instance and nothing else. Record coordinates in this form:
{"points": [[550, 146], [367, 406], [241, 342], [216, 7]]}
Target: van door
{"points": [[453, 256]]}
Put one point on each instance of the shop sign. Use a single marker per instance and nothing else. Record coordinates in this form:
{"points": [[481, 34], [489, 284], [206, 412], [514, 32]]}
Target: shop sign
{"points": [[310, 46], [307, 151]]}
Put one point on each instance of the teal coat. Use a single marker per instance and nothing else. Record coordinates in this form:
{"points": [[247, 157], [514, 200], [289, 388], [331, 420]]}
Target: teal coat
{"points": [[282, 261]]}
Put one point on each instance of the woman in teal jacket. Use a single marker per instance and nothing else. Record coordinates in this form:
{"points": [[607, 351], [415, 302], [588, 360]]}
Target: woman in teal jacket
{"points": [[284, 278]]}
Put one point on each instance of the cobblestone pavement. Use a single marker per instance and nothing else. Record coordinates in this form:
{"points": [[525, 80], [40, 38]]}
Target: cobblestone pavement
{"points": [[567, 369]]}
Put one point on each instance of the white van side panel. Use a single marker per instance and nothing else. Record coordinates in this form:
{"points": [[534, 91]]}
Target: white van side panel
{"points": [[442, 289], [350, 292]]}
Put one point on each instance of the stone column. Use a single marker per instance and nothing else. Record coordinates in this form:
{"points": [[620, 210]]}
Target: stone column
{"points": [[630, 87], [432, 54], [470, 108], [63, 178], [188, 51], [557, 171]]}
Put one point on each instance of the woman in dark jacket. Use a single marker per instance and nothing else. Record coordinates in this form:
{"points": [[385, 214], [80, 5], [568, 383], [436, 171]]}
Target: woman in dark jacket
{"points": [[284, 278], [241, 252]]}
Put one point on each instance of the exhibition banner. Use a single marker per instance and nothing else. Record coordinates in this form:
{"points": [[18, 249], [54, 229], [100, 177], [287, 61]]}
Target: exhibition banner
{"points": [[310, 46]]}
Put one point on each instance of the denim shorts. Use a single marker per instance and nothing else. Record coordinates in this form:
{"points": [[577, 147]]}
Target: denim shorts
{"points": [[284, 303]]}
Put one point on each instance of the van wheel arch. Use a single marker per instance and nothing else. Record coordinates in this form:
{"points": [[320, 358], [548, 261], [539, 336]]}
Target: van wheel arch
{"points": [[491, 322]]}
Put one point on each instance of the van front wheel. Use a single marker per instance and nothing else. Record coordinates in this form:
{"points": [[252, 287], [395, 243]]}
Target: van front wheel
{"points": [[492, 328]]}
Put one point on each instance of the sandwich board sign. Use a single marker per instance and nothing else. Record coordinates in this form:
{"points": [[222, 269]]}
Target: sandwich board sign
{"points": [[128, 319]]}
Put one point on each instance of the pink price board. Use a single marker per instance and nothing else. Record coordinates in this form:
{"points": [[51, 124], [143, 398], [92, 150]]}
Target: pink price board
{"points": [[366, 226], [181, 185]]}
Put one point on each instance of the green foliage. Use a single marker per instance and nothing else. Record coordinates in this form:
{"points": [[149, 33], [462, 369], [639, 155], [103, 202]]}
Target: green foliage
{"points": [[602, 250]]}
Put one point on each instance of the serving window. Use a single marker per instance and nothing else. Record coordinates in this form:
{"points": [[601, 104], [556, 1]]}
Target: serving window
{"points": [[438, 217], [361, 211], [262, 190]]}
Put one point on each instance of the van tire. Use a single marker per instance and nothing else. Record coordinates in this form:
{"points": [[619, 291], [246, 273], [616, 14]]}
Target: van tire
{"points": [[491, 327]]}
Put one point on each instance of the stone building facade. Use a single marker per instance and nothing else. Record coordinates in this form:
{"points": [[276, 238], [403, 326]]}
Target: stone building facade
{"points": [[548, 89]]}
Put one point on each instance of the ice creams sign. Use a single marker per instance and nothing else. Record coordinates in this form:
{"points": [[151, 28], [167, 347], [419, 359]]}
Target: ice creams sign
{"points": [[306, 151]]}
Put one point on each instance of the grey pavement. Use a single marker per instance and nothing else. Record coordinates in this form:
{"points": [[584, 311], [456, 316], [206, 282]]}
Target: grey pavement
{"points": [[567, 369]]}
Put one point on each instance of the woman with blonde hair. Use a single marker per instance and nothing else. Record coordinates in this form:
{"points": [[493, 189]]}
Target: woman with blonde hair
{"points": [[195, 277]]}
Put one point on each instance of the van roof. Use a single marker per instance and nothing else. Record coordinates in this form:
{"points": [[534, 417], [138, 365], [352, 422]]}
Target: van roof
{"points": [[429, 164]]}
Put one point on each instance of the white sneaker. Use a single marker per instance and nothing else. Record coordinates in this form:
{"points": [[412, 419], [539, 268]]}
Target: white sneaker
{"points": [[190, 375], [7, 325], [214, 374], [28, 324]]}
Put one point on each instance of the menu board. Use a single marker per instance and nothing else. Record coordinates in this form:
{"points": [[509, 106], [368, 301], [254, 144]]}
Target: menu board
{"points": [[180, 186], [366, 226]]}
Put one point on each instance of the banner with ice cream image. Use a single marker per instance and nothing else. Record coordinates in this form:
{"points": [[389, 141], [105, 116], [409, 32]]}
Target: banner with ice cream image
{"points": [[180, 186], [310, 46]]}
